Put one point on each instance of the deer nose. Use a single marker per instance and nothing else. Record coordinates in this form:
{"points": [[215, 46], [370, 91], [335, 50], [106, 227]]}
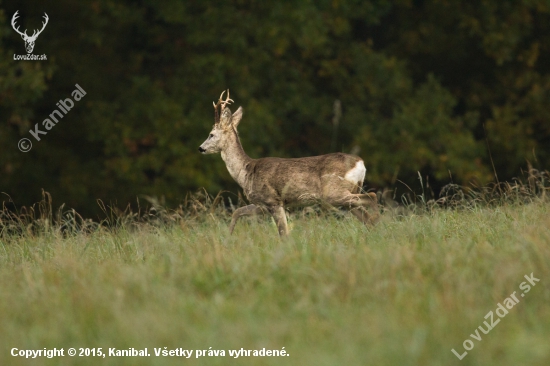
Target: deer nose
{"points": [[201, 149]]}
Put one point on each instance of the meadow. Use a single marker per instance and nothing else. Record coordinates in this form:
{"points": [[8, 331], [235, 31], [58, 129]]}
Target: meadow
{"points": [[404, 292]]}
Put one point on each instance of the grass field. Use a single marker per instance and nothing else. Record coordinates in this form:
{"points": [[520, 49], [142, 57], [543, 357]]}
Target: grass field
{"points": [[404, 292]]}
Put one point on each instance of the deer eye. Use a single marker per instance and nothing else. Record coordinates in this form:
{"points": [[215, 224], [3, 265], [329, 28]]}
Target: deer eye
{"points": [[211, 135]]}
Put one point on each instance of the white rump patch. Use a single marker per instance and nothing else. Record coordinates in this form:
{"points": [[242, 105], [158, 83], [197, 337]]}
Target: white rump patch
{"points": [[357, 174]]}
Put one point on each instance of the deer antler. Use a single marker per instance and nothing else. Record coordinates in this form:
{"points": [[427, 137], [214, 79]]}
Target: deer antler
{"points": [[216, 114], [24, 34], [43, 26], [226, 102], [15, 16], [222, 104]]}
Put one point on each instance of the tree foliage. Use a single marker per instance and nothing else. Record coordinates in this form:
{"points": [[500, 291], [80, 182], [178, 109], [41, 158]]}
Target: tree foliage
{"points": [[424, 86]]}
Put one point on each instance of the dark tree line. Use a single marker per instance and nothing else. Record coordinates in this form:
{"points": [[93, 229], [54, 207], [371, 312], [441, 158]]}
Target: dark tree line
{"points": [[423, 86]]}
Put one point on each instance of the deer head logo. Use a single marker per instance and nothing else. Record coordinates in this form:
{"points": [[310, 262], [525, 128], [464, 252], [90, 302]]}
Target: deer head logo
{"points": [[29, 40]]}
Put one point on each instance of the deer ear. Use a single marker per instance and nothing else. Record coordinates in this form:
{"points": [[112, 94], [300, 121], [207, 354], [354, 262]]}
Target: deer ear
{"points": [[237, 117], [225, 118]]}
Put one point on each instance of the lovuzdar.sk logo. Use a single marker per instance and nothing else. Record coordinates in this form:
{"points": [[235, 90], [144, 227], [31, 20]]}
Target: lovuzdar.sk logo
{"points": [[29, 40]]}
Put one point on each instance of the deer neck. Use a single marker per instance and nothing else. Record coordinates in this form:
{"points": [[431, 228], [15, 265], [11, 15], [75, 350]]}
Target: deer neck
{"points": [[236, 159]]}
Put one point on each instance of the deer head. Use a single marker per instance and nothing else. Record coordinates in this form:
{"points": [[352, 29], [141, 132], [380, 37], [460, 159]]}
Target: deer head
{"points": [[29, 40], [225, 125]]}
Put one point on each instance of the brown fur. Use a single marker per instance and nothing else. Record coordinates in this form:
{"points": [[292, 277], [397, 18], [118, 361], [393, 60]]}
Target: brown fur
{"points": [[270, 184]]}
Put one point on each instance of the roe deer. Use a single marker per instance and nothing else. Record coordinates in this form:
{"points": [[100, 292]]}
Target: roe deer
{"points": [[273, 183]]}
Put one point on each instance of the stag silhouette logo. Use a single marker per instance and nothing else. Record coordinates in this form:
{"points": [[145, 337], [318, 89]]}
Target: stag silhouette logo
{"points": [[29, 40]]}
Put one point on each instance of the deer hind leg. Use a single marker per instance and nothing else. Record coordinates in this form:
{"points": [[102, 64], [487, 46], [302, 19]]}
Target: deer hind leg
{"points": [[249, 210], [354, 200], [362, 215], [365, 202], [358, 205], [278, 213]]}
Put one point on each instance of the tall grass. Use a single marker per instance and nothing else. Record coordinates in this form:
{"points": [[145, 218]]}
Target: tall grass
{"points": [[404, 292]]}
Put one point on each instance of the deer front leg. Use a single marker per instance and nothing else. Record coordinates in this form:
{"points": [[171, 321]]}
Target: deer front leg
{"points": [[278, 213], [244, 211]]}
